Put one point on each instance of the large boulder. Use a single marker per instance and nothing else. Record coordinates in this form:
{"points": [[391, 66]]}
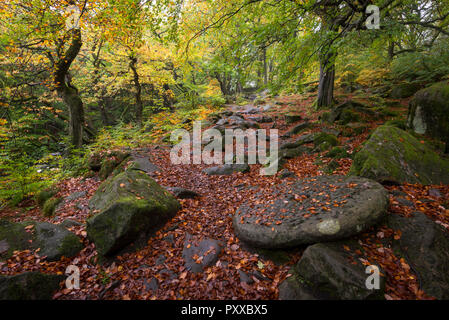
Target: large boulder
{"points": [[393, 155], [128, 206], [54, 241], [29, 286], [429, 112], [309, 211], [325, 272], [425, 246]]}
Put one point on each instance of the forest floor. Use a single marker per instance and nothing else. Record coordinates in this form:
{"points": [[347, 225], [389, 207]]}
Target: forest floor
{"points": [[157, 271]]}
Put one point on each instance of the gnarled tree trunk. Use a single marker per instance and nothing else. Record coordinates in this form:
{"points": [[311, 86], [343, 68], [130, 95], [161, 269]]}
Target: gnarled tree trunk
{"points": [[67, 91]]}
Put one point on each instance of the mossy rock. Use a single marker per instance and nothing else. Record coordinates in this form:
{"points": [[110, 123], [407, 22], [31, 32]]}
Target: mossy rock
{"points": [[404, 90], [325, 138], [113, 160], [401, 124], [355, 109], [50, 206], [126, 207], [393, 155], [54, 241], [429, 112], [337, 153], [290, 153], [354, 129], [29, 286], [42, 196], [331, 167], [292, 118], [298, 128], [94, 161], [348, 116], [325, 117]]}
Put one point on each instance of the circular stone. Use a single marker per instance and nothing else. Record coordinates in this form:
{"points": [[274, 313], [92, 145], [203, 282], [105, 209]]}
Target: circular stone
{"points": [[311, 210]]}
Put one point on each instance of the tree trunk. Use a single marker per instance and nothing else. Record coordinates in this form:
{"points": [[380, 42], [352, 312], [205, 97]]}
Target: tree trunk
{"points": [[104, 101], [76, 115], [139, 104], [326, 82], [68, 92], [265, 67]]}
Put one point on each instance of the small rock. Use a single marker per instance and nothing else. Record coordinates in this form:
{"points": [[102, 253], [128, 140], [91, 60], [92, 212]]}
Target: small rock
{"points": [[435, 193], [151, 285], [245, 278], [182, 193], [200, 253], [286, 174], [160, 260], [227, 169], [405, 202]]}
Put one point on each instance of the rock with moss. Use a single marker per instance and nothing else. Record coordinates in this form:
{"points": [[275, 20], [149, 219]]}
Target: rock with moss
{"points": [[404, 90], [340, 112], [289, 217], [297, 129], [324, 141], [331, 167], [29, 286], [54, 241], [292, 118], [429, 112], [325, 117], [401, 124], [126, 207], [325, 272], [290, 153], [110, 161], [348, 116], [43, 195], [50, 206], [337, 153], [394, 155]]}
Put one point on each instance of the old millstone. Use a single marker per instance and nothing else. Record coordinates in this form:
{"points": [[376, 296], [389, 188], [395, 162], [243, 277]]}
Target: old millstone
{"points": [[310, 210]]}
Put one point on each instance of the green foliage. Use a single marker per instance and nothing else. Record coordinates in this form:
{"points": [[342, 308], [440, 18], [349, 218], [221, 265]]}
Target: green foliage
{"points": [[427, 65]]}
